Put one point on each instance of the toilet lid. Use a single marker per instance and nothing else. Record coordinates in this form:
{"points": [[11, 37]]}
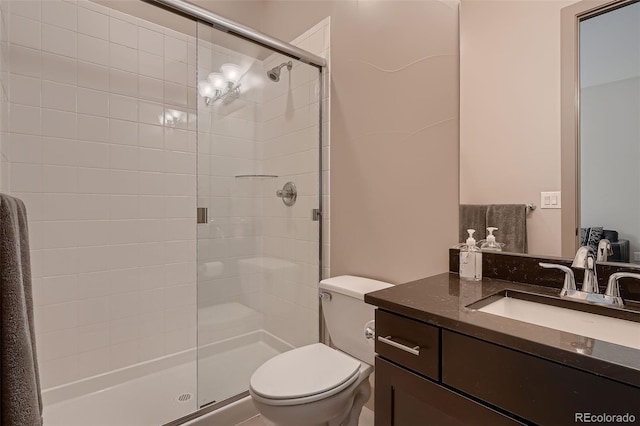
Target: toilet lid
{"points": [[302, 372]]}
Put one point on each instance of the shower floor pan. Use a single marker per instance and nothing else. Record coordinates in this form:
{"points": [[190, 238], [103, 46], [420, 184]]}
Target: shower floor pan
{"points": [[162, 396]]}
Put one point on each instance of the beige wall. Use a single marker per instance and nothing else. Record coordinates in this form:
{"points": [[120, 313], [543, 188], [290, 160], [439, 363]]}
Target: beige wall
{"points": [[245, 12], [394, 131], [510, 109]]}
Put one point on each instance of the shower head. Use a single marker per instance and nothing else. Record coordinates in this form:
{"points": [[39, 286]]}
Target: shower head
{"points": [[274, 73]]}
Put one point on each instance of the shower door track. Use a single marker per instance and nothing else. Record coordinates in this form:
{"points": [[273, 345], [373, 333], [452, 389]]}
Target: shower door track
{"points": [[224, 24], [207, 409]]}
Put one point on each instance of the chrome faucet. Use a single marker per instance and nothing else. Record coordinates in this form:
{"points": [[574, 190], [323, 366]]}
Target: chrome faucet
{"points": [[612, 293], [604, 250], [586, 259]]}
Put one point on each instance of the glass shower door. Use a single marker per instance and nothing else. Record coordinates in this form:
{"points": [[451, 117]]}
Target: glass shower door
{"points": [[258, 249]]}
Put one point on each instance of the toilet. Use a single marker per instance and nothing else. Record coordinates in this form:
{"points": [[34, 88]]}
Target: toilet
{"points": [[316, 384]]}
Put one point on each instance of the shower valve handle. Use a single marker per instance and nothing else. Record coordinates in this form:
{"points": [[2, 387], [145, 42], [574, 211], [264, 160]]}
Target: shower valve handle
{"points": [[288, 193]]}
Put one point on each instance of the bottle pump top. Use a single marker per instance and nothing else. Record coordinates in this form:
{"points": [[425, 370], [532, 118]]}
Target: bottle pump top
{"points": [[490, 243], [491, 238], [471, 241]]}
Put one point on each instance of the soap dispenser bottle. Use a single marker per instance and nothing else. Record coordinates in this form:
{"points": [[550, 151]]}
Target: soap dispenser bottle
{"points": [[490, 243], [470, 259]]}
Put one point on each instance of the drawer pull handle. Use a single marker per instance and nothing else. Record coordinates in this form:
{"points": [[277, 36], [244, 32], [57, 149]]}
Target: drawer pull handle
{"points": [[414, 350]]}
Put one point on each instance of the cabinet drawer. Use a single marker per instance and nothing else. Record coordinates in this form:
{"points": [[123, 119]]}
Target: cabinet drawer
{"points": [[410, 343], [538, 390]]}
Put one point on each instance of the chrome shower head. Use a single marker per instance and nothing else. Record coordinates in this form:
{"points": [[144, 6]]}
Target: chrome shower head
{"points": [[274, 73]]}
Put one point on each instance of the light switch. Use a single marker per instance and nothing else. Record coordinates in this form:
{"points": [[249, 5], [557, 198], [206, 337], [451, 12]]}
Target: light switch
{"points": [[550, 200]]}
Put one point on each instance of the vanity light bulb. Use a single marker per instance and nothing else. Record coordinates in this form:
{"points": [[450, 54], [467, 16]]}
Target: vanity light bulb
{"points": [[231, 73], [217, 81], [205, 89]]}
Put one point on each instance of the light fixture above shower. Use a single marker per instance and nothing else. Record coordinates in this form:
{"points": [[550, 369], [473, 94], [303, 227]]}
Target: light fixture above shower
{"points": [[221, 85]]}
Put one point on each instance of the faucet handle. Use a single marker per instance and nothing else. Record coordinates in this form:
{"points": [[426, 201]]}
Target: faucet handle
{"points": [[613, 286], [569, 278]]}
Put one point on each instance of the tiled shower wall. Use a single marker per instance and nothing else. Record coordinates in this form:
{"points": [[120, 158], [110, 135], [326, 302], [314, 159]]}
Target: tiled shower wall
{"points": [[290, 127], [101, 147], [257, 258], [229, 274]]}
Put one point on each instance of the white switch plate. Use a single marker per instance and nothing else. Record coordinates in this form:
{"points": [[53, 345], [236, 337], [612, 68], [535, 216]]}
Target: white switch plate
{"points": [[550, 200], [636, 256]]}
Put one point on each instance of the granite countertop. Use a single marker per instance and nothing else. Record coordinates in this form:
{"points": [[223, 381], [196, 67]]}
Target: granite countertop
{"points": [[441, 300]]}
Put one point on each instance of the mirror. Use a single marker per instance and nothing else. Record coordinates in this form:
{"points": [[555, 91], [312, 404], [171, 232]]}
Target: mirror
{"points": [[518, 140], [609, 137], [600, 110]]}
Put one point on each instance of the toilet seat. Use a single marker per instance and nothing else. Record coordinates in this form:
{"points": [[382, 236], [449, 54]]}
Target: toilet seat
{"points": [[304, 375]]}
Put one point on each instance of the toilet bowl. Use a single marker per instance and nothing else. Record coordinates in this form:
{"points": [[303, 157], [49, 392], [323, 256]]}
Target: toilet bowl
{"points": [[316, 384], [311, 385]]}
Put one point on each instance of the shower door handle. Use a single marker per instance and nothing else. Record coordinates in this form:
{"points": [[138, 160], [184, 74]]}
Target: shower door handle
{"points": [[202, 215], [288, 193]]}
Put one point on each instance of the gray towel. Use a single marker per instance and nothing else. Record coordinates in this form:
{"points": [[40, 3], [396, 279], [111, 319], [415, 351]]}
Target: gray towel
{"points": [[472, 216], [20, 398], [511, 221]]}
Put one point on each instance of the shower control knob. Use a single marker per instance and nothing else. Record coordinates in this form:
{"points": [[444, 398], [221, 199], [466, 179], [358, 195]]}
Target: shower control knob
{"points": [[288, 193]]}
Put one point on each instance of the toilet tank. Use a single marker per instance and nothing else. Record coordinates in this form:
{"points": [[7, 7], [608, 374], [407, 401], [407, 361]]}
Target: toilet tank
{"points": [[346, 313]]}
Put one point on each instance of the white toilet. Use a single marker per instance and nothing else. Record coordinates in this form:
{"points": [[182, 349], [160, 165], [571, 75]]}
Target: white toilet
{"points": [[315, 384]]}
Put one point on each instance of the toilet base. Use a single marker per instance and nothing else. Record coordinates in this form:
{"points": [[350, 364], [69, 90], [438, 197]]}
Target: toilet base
{"points": [[361, 396]]}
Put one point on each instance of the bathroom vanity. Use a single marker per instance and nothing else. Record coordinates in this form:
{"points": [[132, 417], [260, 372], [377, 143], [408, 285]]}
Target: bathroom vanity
{"points": [[441, 361]]}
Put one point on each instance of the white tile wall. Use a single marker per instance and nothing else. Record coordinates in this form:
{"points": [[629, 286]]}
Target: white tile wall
{"points": [[255, 251], [99, 146], [289, 134], [227, 148]]}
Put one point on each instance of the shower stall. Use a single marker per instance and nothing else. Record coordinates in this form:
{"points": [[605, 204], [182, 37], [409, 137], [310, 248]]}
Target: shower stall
{"points": [[171, 164]]}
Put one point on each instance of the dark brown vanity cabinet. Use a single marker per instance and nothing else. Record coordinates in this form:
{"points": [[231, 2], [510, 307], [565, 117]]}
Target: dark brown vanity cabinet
{"points": [[395, 335], [455, 379], [404, 398], [541, 391]]}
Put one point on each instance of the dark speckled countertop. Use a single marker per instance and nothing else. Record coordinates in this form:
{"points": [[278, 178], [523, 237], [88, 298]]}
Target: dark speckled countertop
{"points": [[442, 300]]}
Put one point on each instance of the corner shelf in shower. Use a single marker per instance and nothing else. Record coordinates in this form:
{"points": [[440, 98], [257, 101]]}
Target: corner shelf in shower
{"points": [[256, 176]]}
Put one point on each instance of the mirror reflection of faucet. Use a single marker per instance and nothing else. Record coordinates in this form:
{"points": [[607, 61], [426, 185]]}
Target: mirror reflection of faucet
{"points": [[604, 250], [586, 259]]}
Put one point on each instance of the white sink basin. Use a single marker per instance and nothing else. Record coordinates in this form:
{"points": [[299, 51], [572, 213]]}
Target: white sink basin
{"points": [[614, 330]]}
